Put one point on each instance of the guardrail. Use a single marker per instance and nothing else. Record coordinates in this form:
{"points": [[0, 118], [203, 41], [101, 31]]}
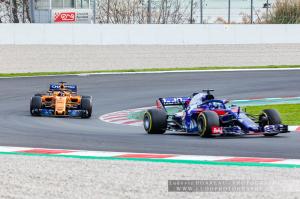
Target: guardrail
{"points": [[141, 34]]}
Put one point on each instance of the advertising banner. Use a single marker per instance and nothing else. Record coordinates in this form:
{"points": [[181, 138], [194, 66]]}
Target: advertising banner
{"points": [[71, 16]]}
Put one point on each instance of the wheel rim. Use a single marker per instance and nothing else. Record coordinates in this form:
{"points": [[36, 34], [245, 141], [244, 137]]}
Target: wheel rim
{"points": [[200, 125], [146, 122], [264, 120]]}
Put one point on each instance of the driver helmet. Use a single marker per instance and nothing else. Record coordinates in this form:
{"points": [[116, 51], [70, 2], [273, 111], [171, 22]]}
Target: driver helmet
{"points": [[207, 97], [61, 93]]}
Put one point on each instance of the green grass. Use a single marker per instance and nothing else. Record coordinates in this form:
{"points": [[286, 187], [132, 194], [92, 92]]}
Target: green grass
{"points": [[289, 112], [143, 70]]}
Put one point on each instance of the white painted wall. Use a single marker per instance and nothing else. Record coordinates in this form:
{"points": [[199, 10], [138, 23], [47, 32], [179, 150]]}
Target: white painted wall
{"points": [[109, 34]]}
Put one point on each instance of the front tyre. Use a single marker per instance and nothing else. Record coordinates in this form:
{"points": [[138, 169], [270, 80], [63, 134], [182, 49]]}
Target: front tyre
{"points": [[35, 105], [155, 121], [269, 117], [86, 107], [206, 120]]}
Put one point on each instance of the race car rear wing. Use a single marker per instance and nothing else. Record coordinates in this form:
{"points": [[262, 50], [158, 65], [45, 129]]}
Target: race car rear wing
{"points": [[56, 87], [171, 101]]}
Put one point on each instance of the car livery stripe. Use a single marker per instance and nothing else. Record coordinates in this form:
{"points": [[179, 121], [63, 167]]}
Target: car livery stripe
{"points": [[152, 157]]}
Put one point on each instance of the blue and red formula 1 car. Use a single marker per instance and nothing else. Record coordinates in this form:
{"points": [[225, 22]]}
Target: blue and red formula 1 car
{"points": [[207, 116]]}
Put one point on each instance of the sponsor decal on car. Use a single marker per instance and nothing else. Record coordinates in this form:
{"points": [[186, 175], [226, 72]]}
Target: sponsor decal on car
{"points": [[217, 130]]}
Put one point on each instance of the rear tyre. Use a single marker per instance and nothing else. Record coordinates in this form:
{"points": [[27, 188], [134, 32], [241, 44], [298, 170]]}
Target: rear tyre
{"points": [[39, 94], [155, 121], [269, 117], [86, 107], [206, 120], [35, 105]]}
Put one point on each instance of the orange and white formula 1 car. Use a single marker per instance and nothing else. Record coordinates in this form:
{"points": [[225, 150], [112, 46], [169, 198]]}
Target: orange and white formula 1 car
{"points": [[61, 100]]}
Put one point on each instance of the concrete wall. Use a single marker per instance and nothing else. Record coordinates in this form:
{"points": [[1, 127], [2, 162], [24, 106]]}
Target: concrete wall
{"points": [[89, 34]]}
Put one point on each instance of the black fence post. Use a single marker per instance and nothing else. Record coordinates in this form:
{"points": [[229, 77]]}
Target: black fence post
{"points": [[229, 11], [251, 11], [192, 10], [149, 12], [107, 14], [201, 11]]}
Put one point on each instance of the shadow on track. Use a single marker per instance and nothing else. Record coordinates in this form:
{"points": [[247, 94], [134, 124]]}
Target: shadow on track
{"points": [[229, 137]]}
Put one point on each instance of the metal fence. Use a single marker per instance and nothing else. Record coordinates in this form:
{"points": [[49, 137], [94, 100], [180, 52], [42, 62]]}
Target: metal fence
{"points": [[181, 11], [156, 11]]}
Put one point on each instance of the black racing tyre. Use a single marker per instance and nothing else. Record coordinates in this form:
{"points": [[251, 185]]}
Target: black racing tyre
{"points": [[206, 120], [39, 94], [35, 105], [88, 97], [155, 121], [273, 116], [269, 117], [86, 107]]}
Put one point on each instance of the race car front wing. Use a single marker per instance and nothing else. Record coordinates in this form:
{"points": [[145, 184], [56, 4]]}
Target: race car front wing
{"points": [[70, 113], [236, 130]]}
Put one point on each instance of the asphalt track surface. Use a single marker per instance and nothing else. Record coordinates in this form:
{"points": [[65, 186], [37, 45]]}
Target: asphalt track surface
{"points": [[119, 92]]}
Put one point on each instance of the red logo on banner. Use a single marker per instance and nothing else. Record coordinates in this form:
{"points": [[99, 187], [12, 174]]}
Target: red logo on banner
{"points": [[64, 17]]}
